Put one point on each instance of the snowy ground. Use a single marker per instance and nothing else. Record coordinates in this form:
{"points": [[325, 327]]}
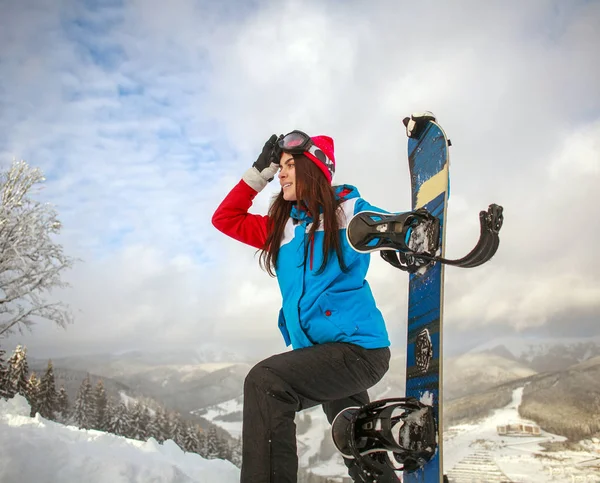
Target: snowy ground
{"points": [[212, 414], [42, 451], [309, 444]]}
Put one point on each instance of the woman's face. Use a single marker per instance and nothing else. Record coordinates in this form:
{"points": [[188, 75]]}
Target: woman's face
{"points": [[287, 177]]}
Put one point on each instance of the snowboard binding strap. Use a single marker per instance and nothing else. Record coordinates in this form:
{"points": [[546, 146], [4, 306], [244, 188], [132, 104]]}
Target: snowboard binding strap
{"points": [[490, 222], [410, 241], [370, 231], [368, 434]]}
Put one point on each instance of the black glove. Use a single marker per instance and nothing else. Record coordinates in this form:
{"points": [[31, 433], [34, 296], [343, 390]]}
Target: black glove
{"points": [[267, 163], [265, 167]]}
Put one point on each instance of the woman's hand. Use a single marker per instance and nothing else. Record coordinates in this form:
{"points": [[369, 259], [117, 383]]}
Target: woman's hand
{"points": [[267, 163]]}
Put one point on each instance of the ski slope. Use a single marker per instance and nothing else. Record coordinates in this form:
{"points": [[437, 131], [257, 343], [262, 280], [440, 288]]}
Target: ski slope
{"points": [[477, 453], [42, 451]]}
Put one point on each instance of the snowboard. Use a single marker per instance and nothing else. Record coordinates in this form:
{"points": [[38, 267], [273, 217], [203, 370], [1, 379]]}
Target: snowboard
{"points": [[406, 433], [428, 160]]}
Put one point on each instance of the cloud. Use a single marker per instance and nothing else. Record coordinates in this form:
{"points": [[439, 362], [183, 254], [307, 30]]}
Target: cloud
{"points": [[144, 116]]}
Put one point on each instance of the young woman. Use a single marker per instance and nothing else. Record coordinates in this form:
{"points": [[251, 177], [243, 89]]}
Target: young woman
{"points": [[328, 314]]}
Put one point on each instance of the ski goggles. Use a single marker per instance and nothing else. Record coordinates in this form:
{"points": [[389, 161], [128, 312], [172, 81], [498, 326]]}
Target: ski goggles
{"points": [[298, 142]]}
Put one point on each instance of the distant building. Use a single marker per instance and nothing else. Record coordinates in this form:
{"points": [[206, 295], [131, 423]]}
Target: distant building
{"points": [[518, 428]]}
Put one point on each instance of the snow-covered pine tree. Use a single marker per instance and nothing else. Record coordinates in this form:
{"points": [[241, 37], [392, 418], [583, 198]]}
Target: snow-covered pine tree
{"points": [[33, 394], [213, 447], [202, 442], [119, 422], [236, 452], [101, 421], [152, 430], [139, 422], [4, 393], [176, 429], [48, 400], [161, 425], [18, 372], [83, 411], [224, 449], [145, 421], [110, 409], [191, 443], [62, 405]]}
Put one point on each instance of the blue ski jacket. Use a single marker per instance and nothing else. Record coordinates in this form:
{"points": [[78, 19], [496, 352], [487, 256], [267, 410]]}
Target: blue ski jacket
{"points": [[331, 306]]}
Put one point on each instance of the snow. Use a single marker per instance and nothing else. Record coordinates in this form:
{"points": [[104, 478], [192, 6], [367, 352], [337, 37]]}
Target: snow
{"points": [[212, 413], [310, 441], [419, 239], [212, 366], [127, 400], [427, 398], [36, 449], [473, 448]]}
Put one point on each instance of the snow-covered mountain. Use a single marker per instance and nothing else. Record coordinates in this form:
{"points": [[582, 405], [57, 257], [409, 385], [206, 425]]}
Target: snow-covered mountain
{"points": [[474, 372], [544, 355], [183, 381], [39, 450]]}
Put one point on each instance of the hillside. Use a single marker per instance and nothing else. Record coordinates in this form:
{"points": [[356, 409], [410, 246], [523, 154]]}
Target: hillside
{"points": [[181, 381], [543, 355], [71, 379], [475, 372], [566, 402]]}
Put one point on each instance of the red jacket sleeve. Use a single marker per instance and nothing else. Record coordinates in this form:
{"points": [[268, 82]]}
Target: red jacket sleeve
{"points": [[233, 219]]}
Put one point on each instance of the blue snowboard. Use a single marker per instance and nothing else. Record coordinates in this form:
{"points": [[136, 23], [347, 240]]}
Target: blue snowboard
{"points": [[429, 173]]}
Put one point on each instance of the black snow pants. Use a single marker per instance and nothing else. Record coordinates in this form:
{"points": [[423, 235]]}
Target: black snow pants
{"points": [[335, 375]]}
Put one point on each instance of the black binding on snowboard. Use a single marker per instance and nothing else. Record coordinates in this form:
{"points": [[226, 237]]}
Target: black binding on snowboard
{"points": [[410, 241], [371, 432]]}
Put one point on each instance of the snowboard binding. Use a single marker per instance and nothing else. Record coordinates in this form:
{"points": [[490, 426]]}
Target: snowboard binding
{"points": [[416, 235], [399, 433], [411, 241]]}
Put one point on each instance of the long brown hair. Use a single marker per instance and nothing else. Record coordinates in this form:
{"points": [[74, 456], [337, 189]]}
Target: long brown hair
{"points": [[315, 195]]}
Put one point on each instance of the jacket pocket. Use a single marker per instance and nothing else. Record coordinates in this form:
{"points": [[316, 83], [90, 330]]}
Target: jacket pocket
{"points": [[338, 310], [283, 328]]}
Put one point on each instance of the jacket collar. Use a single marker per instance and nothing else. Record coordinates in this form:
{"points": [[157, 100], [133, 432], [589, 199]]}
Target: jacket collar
{"points": [[342, 192]]}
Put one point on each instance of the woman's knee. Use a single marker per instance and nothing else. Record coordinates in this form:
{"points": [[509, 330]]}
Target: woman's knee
{"points": [[259, 377], [263, 380]]}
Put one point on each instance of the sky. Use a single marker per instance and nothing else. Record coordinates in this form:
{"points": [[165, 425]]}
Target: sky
{"points": [[143, 116]]}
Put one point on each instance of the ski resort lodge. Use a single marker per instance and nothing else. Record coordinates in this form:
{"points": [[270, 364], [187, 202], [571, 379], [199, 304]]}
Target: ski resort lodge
{"points": [[518, 428]]}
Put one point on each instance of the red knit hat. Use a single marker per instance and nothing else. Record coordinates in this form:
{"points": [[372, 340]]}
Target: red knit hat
{"points": [[323, 156]]}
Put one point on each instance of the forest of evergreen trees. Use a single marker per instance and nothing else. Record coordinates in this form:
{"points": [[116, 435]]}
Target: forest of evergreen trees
{"points": [[92, 409]]}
